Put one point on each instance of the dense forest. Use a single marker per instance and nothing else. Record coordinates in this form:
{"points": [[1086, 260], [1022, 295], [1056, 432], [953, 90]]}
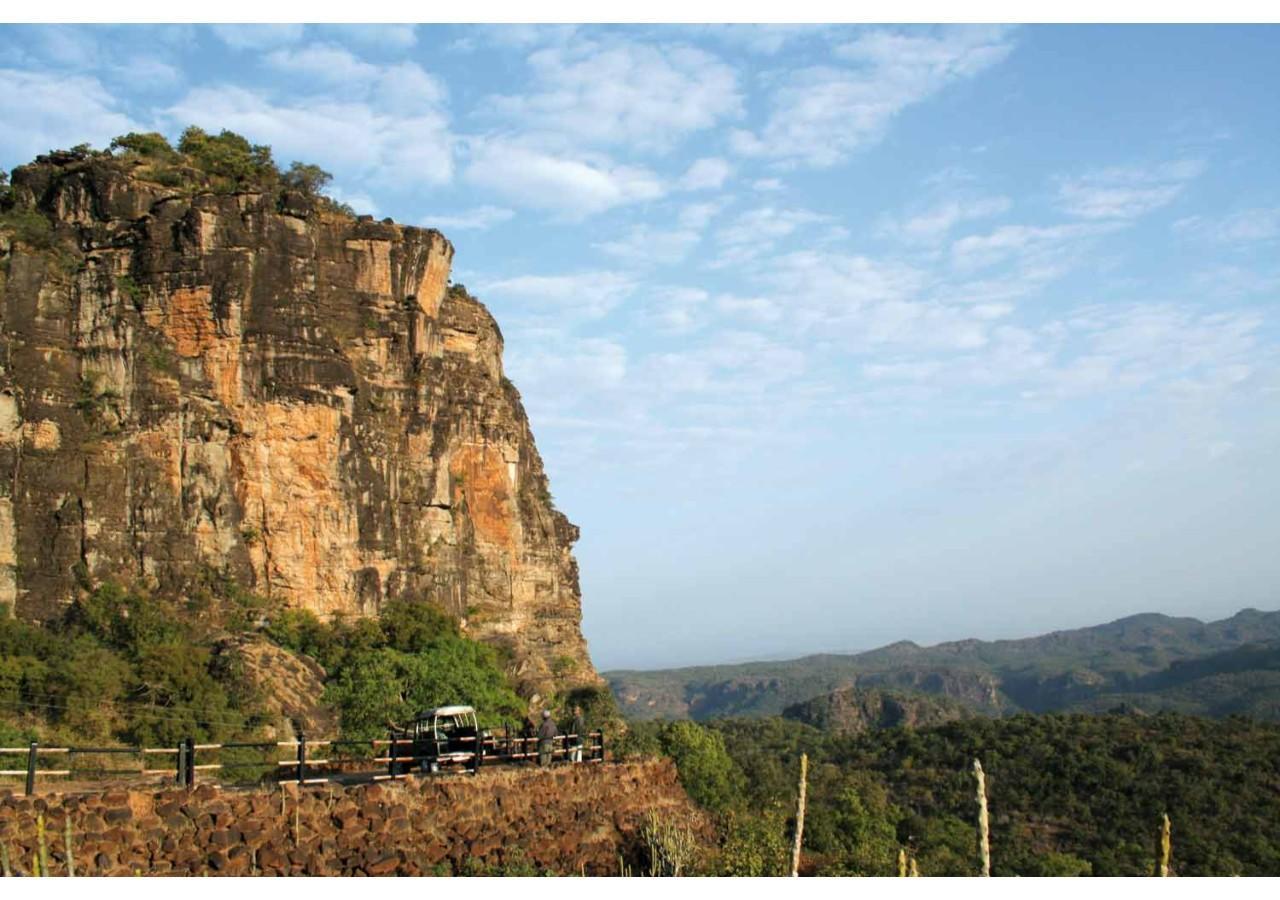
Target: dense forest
{"points": [[1069, 794]]}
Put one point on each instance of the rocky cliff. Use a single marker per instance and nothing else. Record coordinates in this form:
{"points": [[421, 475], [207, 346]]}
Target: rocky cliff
{"points": [[258, 384], [857, 710]]}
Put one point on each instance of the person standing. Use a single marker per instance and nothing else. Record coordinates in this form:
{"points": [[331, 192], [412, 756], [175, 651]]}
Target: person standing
{"points": [[547, 735], [577, 735]]}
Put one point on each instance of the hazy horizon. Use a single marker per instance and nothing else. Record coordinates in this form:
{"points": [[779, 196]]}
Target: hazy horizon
{"points": [[829, 337]]}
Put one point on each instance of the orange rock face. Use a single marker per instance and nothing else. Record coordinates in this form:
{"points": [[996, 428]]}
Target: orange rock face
{"points": [[295, 398]]}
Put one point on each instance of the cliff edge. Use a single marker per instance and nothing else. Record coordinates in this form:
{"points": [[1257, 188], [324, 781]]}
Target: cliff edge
{"points": [[259, 384]]}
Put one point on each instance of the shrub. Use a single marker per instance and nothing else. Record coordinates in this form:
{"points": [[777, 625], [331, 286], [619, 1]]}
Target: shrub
{"points": [[230, 156], [28, 226], [306, 178], [151, 145], [754, 846], [709, 775]]}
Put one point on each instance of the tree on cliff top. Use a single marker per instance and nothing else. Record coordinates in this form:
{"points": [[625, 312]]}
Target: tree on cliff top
{"points": [[230, 155]]}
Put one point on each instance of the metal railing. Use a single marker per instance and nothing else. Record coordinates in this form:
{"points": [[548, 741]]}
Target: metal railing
{"points": [[341, 758]]}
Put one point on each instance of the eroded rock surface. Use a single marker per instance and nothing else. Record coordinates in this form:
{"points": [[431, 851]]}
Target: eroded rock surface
{"points": [[275, 390]]}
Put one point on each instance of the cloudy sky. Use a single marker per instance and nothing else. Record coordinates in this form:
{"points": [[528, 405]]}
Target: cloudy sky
{"points": [[829, 336]]}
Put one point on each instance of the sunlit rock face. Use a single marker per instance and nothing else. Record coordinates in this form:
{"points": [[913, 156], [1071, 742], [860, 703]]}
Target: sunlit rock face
{"points": [[261, 386]]}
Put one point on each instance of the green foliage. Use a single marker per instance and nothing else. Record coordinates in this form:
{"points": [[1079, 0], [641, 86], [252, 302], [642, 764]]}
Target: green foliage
{"points": [[707, 771], [306, 178], [1069, 794], [125, 667], [754, 846], [230, 157], [30, 226], [411, 658], [130, 288], [150, 145]]}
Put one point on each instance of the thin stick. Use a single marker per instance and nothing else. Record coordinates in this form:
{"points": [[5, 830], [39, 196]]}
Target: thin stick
{"points": [[984, 824], [1166, 846], [71, 860], [795, 851], [42, 858]]}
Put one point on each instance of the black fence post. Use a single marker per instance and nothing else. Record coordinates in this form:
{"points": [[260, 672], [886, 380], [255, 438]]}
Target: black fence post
{"points": [[302, 757], [31, 768], [191, 762], [601, 745]]}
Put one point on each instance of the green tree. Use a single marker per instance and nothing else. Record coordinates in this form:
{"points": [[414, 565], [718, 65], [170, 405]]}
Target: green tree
{"points": [[709, 775], [230, 156], [149, 144], [306, 178]]}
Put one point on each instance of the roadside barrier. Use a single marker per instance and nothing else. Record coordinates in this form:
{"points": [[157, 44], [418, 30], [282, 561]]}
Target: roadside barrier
{"points": [[309, 760]]}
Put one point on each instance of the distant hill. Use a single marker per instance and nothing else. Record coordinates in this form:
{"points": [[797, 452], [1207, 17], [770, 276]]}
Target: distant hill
{"points": [[1147, 660], [853, 711]]}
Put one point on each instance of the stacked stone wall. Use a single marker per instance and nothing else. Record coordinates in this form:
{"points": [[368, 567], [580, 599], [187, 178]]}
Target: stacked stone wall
{"points": [[567, 819]]}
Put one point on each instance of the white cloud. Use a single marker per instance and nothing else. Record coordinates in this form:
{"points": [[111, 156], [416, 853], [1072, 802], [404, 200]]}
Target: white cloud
{"points": [[675, 310], [257, 37], [403, 142], [643, 96], [583, 294], [767, 185], [755, 232], [400, 37], [476, 219], [933, 224], [706, 175], [56, 111], [1247, 226], [664, 244], [1021, 241], [404, 87], [653, 245], [821, 114], [559, 369], [573, 187], [1125, 193]]}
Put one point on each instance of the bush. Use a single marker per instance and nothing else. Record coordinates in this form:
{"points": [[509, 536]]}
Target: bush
{"points": [[306, 178], [151, 145], [28, 226], [754, 846], [126, 667], [709, 775], [387, 670], [230, 156]]}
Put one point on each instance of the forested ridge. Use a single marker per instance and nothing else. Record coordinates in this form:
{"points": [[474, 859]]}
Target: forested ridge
{"points": [[1069, 794]]}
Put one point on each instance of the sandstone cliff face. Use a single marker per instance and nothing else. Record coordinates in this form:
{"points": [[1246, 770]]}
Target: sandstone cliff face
{"points": [[275, 390]]}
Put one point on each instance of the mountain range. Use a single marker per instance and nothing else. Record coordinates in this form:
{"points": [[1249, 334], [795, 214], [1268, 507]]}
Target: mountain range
{"points": [[1147, 662]]}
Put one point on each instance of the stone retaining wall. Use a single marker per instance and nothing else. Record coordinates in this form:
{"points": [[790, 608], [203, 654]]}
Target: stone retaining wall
{"points": [[567, 819]]}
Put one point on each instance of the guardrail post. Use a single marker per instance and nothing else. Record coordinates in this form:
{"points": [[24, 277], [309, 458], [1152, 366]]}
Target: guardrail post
{"points": [[31, 768], [601, 745], [302, 757], [191, 762]]}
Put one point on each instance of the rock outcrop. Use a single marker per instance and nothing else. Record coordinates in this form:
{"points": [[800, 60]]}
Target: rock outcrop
{"points": [[256, 383], [856, 710]]}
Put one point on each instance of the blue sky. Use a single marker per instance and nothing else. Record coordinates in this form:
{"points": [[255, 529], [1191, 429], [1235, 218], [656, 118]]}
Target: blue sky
{"points": [[829, 336]]}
